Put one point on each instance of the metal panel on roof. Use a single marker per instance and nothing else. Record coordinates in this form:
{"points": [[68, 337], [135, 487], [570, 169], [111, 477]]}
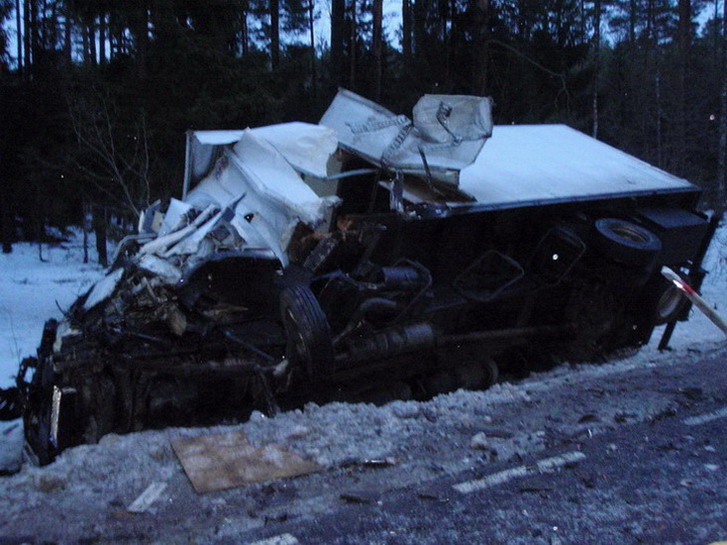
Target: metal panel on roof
{"points": [[541, 163]]}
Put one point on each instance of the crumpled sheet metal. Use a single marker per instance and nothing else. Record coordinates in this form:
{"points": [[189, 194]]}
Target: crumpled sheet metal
{"points": [[268, 198], [304, 146], [449, 130], [103, 289]]}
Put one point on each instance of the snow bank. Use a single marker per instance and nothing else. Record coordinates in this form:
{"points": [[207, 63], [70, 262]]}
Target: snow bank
{"points": [[31, 292]]}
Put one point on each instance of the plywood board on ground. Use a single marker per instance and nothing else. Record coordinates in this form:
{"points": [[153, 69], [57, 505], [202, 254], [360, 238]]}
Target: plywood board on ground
{"points": [[221, 461]]}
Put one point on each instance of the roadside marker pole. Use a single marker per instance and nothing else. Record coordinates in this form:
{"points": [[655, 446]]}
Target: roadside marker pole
{"points": [[694, 297]]}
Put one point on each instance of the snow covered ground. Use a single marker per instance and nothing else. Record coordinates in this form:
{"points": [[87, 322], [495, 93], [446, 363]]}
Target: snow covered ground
{"points": [[31, 292]]}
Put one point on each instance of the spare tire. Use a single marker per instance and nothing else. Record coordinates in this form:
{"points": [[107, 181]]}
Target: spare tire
{"points": [[307, 331], [626, 242]]}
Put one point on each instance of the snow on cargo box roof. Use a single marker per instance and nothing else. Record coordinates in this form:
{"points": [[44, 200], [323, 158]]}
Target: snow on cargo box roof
{"points": [[523, 164]]}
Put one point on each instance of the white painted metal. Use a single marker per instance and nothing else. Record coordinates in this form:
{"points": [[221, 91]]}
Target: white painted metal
{"points": [[448, 129], [544, 163]]}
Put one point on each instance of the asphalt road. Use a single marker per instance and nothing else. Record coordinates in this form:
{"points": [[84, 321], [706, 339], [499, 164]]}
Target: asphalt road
{"points": [[663, 481], [637, 455], [657, 483]]}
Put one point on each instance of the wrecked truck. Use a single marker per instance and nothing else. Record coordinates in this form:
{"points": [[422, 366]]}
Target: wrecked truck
{"points": [[371, 257]]}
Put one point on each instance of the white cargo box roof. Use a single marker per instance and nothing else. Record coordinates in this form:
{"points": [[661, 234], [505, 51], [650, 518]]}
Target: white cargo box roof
{"points": [[530, 164]]}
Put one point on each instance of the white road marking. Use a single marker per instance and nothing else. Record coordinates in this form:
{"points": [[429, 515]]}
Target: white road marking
{"points": [[146, 498], [282, 539], [520, 471], [703, 419]]}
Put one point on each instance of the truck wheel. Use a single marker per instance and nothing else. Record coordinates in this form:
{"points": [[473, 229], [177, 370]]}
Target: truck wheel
{"points": [[307, 331], [666, 300], [626, 242]]}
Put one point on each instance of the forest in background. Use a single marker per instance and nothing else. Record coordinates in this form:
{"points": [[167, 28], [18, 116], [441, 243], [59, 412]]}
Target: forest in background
{"points": [[95, 95]]}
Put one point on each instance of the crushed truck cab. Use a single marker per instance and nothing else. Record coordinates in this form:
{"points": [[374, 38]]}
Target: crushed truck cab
{"points": [[367, 258]]}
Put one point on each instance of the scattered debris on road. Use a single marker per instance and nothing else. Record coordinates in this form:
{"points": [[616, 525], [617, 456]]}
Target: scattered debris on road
{"points": [[147, 498]]}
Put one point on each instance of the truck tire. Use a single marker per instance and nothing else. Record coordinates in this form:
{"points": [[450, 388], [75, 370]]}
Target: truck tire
{"points": [[307, 331], [626, 242], [665, 299]]}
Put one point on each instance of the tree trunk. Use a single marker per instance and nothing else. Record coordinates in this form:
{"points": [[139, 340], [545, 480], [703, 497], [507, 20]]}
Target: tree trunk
{"points": [[352, 49], [377, 9], [717, 41], [116, 33], [311, 30], [659, 139], [722, 153], [453, 30], [140, 28], [596, 63], [26, 35], [19, 35], [481, 46], [99, 227], [6, 218], [275, 33], [245, 41], [84, 41], [338, 17], [419, 27], [34, 31], [102, 39], [86, 227], [406, 30], [92, 40], [684, 37], [632, 22], [68, 37]]}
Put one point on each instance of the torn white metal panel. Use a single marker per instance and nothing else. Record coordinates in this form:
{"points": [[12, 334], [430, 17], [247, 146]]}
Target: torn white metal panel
{"points": [[447, 118], [304, 146], [449, 130], [190, 244], [162, 268], [268, 196], [150, 220], [103, 289], [162, 244], [175, 216], [273, 177], [523, 164]]}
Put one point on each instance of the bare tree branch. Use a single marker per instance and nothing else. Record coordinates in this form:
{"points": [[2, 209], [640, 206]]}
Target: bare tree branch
{"points": [[116, 167]]}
